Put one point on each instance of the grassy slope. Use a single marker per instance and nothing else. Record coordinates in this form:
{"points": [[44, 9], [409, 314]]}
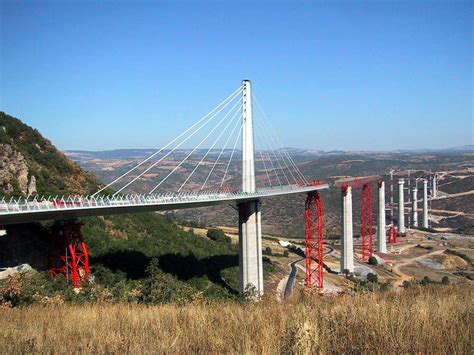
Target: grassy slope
{"points": [[421, 320]]}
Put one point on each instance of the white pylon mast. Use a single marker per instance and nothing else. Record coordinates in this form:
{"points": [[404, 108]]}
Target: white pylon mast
{"points": [[248, 160]]}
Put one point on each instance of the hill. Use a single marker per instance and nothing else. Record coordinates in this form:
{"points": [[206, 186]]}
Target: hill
{"points": [[143, 257], [30, 164]]}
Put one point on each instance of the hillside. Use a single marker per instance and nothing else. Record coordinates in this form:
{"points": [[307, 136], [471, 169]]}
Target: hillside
{"points": [[137, 257], [30, 164]]}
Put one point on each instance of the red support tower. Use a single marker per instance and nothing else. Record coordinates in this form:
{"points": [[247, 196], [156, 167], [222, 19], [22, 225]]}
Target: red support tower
{"points": [[67, 254], [314, 240], [367, 222], [392, 235]]}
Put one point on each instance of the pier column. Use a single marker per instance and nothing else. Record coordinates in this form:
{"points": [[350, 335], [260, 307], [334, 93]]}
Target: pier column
{"points": [[435, 187], [381, 237], [401, 206], [414, 207], [347, 241], [250, 228], [425, 203]]}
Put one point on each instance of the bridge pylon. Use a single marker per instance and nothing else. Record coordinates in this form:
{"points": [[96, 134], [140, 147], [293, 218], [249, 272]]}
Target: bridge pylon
{"points": [[250, 220]]}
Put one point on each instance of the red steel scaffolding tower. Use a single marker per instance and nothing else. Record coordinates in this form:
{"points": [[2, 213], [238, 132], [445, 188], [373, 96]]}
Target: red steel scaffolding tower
{"points": [[67, 254], [314, 240]]}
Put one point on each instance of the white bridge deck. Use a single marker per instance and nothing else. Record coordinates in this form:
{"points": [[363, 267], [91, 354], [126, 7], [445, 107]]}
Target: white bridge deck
{"points": [[27, 210]]}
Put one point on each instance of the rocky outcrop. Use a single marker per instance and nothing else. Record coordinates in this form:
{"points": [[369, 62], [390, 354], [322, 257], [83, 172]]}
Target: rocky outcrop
{"points": [[14, 172]]}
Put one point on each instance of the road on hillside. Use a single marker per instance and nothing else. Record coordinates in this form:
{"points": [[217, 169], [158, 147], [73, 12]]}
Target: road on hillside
{"points": [[291, 279]]}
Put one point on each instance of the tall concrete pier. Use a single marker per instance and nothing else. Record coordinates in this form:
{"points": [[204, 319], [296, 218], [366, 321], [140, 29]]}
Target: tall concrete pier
{"points": [[414, 207], [401, 206], [250, 226], [381, 237], [435, 187], [425, 203], [347, 241]]}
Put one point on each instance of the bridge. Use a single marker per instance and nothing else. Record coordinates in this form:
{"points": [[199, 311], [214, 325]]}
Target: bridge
{"points": [[261, 173], [175, 177]]}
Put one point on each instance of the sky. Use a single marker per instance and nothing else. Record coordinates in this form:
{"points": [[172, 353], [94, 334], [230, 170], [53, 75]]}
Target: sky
{"points": [[331, 75]]}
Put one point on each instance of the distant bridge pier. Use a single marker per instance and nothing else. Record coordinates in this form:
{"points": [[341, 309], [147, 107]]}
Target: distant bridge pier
{"points": [[401, 206], [425, 203], [250, 221], [414, 207], [381, 234], [347, 241], [435, 187]]}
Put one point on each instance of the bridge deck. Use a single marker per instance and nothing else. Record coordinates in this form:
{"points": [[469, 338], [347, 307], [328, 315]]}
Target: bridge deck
{"points": [[23, 211]]}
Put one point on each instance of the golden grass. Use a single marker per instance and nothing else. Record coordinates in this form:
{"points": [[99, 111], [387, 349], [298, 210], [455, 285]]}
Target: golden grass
{"points": [[429, 320]]}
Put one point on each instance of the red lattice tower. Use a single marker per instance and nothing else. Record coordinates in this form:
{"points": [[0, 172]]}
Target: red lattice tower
{"points": [[67, 254], [392, 235], [314, 240], [367, 222]]}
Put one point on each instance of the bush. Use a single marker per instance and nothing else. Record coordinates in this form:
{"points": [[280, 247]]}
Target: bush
{"points": [[373, 261], [426, 281], [445, 280], [218, 236], [286, 253], [268, 251], [407, 284], [372, 278], [161, 287]]}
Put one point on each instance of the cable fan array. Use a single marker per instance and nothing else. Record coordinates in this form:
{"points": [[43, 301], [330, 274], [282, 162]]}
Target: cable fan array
{"points": [[214, 161]]}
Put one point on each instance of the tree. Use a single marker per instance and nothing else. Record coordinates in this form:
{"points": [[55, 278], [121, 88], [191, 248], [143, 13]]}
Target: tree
{"points": [[286, 254], [445, 280]]}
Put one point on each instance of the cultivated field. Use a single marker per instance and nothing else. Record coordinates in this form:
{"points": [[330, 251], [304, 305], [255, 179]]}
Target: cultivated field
{"points": [[435, 319]]}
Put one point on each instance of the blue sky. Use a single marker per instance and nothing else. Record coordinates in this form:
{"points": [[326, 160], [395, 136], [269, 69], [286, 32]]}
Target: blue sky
{"points": [[374, 75]]}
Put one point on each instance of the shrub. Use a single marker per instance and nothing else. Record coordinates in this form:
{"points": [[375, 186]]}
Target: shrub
{"points": [[373, 261], [445, 280], [268, 251], [372, 277], [407, 284], [218, 236], [161, 287], [426, 281], [286, 254]]}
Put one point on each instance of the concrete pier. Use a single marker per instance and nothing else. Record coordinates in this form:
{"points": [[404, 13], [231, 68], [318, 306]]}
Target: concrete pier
{"points": [[347, 240], [381, 236], [435, 187], [250, 247], [250, 226], [425, 203], [401, 206], [414, 207]]}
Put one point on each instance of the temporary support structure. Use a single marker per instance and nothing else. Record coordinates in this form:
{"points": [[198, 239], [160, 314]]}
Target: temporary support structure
{"points": [[314, 240], [67, 253]]}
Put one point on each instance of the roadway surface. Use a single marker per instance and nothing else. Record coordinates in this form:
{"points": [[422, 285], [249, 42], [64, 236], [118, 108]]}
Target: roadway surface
{"points": [[23, 211]]}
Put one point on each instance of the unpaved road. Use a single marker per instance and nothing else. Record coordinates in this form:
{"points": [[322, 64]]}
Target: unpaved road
{"points": [[405, 277]]}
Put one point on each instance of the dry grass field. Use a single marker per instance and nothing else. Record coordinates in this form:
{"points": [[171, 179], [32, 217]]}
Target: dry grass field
{"points": [[435, 319]]}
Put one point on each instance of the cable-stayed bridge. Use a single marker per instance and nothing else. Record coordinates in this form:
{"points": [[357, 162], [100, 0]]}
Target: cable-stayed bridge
{"points": [[244, 163]]}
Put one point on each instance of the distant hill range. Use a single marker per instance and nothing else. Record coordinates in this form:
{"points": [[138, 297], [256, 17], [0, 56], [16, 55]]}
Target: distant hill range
{"points": [[79, 155]]}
